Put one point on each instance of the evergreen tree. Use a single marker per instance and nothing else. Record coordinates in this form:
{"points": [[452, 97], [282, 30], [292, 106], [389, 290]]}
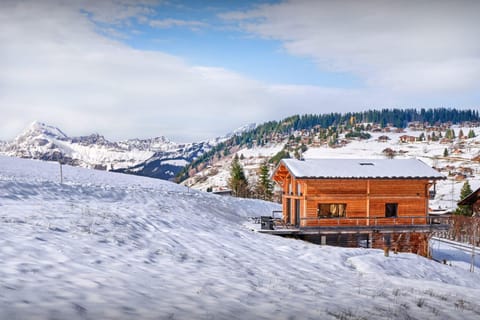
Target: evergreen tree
{"points": [[325, 125], [282, 154], [445, 152], [238, 182], [464, 210], [264, 186], [448, 134], [471, 134]]}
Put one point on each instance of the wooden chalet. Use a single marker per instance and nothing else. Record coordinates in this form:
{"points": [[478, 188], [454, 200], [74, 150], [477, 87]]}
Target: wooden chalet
{"points": [[374, 203]]}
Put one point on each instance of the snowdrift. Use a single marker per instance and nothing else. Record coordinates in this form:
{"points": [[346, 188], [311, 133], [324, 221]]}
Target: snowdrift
{"points": [[111, 246]]}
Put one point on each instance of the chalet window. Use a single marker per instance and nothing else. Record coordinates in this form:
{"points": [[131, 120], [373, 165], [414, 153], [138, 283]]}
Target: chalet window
{"points": [[299, 189], [391, 210], [331, 210]]}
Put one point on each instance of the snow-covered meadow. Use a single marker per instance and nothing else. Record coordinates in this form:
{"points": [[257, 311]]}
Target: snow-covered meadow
{"points": [[111, 246]]}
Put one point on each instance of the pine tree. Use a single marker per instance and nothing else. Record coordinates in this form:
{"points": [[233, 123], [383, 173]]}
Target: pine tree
{"points": [[471, 134], [238, 182], [445, 152], [264, 186], [464, 210]]}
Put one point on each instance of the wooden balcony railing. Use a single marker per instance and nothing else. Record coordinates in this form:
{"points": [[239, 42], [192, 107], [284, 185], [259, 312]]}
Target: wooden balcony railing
{"points": [[363, 222]]}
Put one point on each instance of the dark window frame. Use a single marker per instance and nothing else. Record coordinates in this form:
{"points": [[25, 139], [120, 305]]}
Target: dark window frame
{"points": [[391, 210], [331, 210]]}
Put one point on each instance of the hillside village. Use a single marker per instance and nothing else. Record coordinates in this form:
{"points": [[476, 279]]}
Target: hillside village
{"points": [[453, 150]]}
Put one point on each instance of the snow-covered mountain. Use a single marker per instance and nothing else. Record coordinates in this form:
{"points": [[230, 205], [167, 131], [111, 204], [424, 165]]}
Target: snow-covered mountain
{"points": [[104, 245], [242, 129], [45, 142], [156, 157]]}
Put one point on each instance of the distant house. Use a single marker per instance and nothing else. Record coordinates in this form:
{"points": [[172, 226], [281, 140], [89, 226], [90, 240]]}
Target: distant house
{"points": [[406, 138], [222, 192], [466, 170], [457, 151], [389, 152], [472, 200], [357, 202], [383, 139]]}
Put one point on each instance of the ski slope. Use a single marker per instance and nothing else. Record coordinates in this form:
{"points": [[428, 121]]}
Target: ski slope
{"points": [[110, 246]]}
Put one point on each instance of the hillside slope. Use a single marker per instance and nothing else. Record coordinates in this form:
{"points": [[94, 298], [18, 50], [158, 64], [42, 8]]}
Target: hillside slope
{"points": [[110, 246], [459, 165]]}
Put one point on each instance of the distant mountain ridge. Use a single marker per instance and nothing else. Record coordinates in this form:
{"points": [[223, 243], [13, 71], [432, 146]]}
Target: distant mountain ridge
{"points": [[155, 157], [161, 158]]}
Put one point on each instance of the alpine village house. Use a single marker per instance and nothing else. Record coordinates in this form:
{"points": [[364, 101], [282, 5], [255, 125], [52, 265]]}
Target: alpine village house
{"points": [[380, 203]]}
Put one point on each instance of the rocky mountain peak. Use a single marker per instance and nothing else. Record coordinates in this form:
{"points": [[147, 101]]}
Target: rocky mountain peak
{"points": [[40, 130]]}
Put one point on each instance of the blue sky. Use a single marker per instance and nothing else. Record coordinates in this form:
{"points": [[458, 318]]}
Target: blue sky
{"points": [[193, 70], [221, 43]]}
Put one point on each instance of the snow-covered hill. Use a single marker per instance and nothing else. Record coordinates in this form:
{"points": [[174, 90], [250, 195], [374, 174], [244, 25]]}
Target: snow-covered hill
{"points": [[459, 165], [104, 245]]}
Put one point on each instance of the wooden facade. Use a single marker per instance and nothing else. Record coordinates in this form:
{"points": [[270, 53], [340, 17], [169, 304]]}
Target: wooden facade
{"points": [[375, 206]]}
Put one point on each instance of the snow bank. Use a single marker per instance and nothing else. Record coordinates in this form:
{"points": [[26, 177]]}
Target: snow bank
{"points": [[110, 246]]}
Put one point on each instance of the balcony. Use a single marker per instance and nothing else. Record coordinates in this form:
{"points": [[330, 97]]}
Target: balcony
{"points": [[360, 225]]}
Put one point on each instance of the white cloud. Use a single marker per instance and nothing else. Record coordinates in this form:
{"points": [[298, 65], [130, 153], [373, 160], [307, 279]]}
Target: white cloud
{"points": [[403, 46], [55, 68]]}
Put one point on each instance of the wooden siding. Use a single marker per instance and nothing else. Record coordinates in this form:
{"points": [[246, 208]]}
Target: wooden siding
{"points": [[364, 199]]}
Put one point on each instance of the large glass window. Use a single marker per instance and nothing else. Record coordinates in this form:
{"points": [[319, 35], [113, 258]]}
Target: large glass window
{"points": [[391, 210], [331, 210]]}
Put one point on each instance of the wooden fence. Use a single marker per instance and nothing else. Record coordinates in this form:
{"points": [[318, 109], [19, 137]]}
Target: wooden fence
{"points": [[462, 229]]}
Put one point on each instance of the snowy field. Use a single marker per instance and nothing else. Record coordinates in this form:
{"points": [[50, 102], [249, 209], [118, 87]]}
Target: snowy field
{"points": [[456, 254], [110, 246]]}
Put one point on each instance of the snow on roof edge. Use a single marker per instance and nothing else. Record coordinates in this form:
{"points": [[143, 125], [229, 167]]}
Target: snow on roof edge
{"points": [[361, 169]]}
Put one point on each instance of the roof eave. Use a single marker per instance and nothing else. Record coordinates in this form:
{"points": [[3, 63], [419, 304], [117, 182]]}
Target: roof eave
{"points": [[371, 177], [468, 200]]}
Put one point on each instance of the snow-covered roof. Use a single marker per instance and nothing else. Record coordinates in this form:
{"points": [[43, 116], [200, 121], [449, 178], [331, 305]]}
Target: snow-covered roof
{"points": [[361, 169]]}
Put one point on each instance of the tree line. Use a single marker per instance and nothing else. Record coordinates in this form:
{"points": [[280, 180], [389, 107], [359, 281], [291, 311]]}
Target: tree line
{"points": [[271, 130], [240, 186]]}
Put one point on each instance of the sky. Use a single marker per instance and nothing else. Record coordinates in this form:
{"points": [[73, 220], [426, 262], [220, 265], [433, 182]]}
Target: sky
{"points": [[194, 70]]}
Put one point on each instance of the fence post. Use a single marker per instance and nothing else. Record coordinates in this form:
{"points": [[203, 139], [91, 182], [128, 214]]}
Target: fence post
{"points": [[61, 172]]}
